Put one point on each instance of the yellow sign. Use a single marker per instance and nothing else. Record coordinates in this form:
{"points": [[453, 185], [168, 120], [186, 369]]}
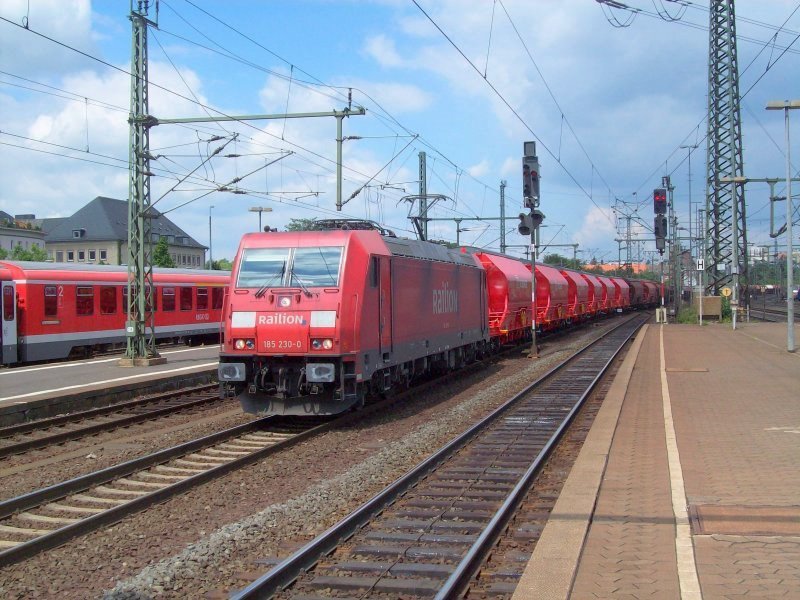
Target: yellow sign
{"points": [[726, 291]]}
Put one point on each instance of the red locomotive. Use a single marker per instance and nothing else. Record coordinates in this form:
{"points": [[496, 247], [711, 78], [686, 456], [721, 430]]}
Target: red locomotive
{"points": [[316, 320], [52, 311]]}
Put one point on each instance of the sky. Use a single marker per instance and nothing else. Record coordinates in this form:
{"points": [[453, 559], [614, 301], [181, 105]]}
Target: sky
{"points": [[615, 99]]}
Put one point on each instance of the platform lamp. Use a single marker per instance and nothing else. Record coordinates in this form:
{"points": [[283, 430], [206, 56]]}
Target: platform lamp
{"points": [[786, 106], [259, 210]]}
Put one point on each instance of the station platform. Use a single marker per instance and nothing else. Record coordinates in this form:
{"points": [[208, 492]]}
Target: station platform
{"points": [[39, 391], [688, 484]]}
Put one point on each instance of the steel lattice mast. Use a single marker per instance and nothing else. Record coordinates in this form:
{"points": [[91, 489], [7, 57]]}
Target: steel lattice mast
{"points": [[140, 344], [726, 232]]}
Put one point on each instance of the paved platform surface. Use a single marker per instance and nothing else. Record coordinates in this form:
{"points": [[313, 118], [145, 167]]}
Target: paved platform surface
{"points": [[43, 390], [688, 485]]}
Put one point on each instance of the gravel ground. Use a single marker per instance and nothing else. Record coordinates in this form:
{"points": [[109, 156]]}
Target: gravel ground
{"points": [[202, 540]]}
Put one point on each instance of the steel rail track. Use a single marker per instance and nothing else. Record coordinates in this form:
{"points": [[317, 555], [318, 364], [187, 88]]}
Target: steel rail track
{"points": [[140, 409], [442, 518], [773, 315], [108, 495]]}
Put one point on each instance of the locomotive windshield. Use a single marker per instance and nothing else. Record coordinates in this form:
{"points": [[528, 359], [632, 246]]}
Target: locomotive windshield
{"points": [[290, 267]]}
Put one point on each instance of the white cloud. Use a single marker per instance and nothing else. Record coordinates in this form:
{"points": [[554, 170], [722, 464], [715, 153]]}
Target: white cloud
{"points": [[597, 227], [481, 169], [384, 51]]}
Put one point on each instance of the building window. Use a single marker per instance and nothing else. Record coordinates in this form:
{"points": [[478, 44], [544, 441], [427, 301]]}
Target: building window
{"points": [[84, 300], [103, 255], [59, 256], [108, 300], [81, 255], [50, 301], [168, 299], [92, 255], [202, 298], [186, 298], [70, 256]]}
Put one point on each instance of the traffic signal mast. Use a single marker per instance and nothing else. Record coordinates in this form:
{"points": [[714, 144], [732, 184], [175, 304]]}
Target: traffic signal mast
{"points": [[660, 223]]}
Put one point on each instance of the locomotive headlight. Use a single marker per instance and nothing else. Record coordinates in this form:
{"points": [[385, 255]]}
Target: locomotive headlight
{"points": [[321, 344], [284, 301], [242, 344]]}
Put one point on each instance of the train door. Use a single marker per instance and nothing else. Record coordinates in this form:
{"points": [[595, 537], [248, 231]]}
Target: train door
{"points": [[385, 304], [8, 320]]}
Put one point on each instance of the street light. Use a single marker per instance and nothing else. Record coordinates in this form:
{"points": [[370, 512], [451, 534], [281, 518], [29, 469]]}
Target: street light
{"points": [[210, 253], [259, 210], [786, 106]]}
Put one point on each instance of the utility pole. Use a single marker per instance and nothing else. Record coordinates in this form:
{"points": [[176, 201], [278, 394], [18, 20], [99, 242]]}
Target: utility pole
{"points": [[140, 347], [725, 204], [502, 216], [423, 194]]}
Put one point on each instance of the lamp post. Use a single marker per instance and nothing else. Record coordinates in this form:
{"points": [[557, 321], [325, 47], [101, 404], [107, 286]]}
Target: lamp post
{"points": [[210, 253], [786, 106], [259, 210]]}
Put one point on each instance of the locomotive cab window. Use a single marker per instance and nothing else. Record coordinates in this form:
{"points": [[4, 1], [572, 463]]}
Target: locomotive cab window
{"points": [[290, 267], [50, 301], [108, 300], [373, 271], [84, 300]]}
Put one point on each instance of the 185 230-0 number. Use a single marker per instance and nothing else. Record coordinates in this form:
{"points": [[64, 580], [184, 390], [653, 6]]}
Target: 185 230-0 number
{"points": [[282, 345]]}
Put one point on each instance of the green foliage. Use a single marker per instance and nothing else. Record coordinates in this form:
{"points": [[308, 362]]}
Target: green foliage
{"points": [[687, 315], [727, 315], [562, 261], [161, 257], [223, 264], [3, 253], [33, 254], [301, 225]]}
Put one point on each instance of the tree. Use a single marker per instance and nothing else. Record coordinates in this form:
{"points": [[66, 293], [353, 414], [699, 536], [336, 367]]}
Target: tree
{"points": [[562, 261], [301, 225], [223, 264], [161, 257], [3, 253], [33, 254]]}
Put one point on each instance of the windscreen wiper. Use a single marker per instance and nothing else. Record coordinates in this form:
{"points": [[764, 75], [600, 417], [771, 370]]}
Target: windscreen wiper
{"points": [[301, 285], [263, 289]]}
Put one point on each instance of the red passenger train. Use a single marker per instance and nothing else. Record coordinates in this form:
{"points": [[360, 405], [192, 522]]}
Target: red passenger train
{"points": [[316, 320], [52, 311]]}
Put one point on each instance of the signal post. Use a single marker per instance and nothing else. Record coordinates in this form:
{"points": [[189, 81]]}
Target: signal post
{"points": [[529, 224]]}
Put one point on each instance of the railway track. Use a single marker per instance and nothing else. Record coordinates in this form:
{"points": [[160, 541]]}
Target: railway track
{"points": [[773, 314], [429, 532], [48, 517], [57, 430]]}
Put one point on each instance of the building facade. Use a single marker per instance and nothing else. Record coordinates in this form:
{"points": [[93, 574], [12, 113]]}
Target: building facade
{"points": [[98, 234]]}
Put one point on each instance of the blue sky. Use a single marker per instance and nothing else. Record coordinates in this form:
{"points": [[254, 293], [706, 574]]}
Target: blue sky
{"points": [[610, 107]]}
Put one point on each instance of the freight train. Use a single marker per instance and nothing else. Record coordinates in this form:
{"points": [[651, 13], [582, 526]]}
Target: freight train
{"points": [[51, 311], [316, 320]]}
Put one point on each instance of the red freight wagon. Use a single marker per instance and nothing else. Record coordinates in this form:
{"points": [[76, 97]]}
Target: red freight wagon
{"points": [[64, 309], [651, 291], [552, 297], [509, 286], [622, 293], [317, 319], [637, 292], [578, 294], [595, 293], [609, 293]]}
